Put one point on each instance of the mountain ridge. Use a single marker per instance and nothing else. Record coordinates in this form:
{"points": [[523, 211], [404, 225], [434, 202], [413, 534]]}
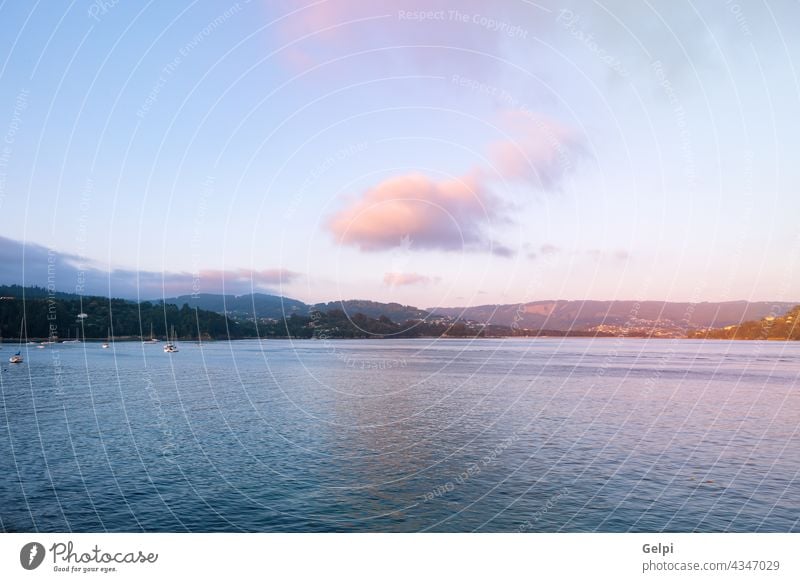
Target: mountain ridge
{"points": [[615, 316], [589, 314], [556, 314]]}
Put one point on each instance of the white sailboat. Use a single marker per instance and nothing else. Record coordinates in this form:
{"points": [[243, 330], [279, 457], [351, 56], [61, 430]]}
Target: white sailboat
{"points": [[152, 339], [17, 358], [107, 343], [171, 346], [69, 339]]}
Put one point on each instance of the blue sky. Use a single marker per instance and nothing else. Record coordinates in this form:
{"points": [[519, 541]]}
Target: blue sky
{"points": [[431, 153]]}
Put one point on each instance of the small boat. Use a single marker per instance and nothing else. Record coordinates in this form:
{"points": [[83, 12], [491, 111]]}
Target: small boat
{"points": [[40, 346], [17, 358], [152, 339], [171, 346], [72, 341], [107, 343]]}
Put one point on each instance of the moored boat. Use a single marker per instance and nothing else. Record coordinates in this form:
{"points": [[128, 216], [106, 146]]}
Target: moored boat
{"points": [[172, 343], [152, 339]]}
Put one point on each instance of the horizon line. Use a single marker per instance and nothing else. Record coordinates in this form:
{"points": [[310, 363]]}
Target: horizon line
{"points": [[312, 304]]}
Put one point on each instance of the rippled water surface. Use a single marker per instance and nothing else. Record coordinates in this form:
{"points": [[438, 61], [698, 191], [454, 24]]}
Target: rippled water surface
{"points": [[403, 435]]}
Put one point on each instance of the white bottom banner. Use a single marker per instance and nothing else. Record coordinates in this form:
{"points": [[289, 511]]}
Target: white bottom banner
{"points": [[373, 557]]}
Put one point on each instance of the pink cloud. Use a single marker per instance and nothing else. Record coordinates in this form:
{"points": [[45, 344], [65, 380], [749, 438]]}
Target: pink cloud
{"points": [[254, 276], [34, 264], [454, 214], [403, 279], [500, 250], [622, 255], [432, 33], [207, 280], [445, 214], [541, 150]]}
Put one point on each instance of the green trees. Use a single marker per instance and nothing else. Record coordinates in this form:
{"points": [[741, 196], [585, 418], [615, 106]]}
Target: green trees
{"points": [[336, 324], [785, 327], [59, 316]]}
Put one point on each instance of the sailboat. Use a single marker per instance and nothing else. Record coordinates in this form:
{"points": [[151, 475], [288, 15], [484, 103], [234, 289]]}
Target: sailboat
{"points": [[69, 336], [171, 346], [17, 358], [152, 339], [107, 342]]}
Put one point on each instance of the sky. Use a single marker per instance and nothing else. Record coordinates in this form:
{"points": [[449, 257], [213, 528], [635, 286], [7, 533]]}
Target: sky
{"points": [[432, 153]]}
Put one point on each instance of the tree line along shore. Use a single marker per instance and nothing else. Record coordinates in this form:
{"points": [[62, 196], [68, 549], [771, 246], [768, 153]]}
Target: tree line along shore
{"points": [[32, 313]]}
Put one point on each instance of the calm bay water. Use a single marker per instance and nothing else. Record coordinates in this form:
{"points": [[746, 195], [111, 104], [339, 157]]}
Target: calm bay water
{"points": [[403, 435]]}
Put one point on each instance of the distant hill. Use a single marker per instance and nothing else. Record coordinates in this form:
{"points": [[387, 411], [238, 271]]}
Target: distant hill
{"points": [[243, 306], [277, 307], [64, 315], [585, 315], [33, 292], [394, 311], [630, 318], [336, 324], [785, 327]]}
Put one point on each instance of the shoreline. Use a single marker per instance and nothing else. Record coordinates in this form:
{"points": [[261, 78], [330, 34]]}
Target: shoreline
{"points": [[44, 341]]}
